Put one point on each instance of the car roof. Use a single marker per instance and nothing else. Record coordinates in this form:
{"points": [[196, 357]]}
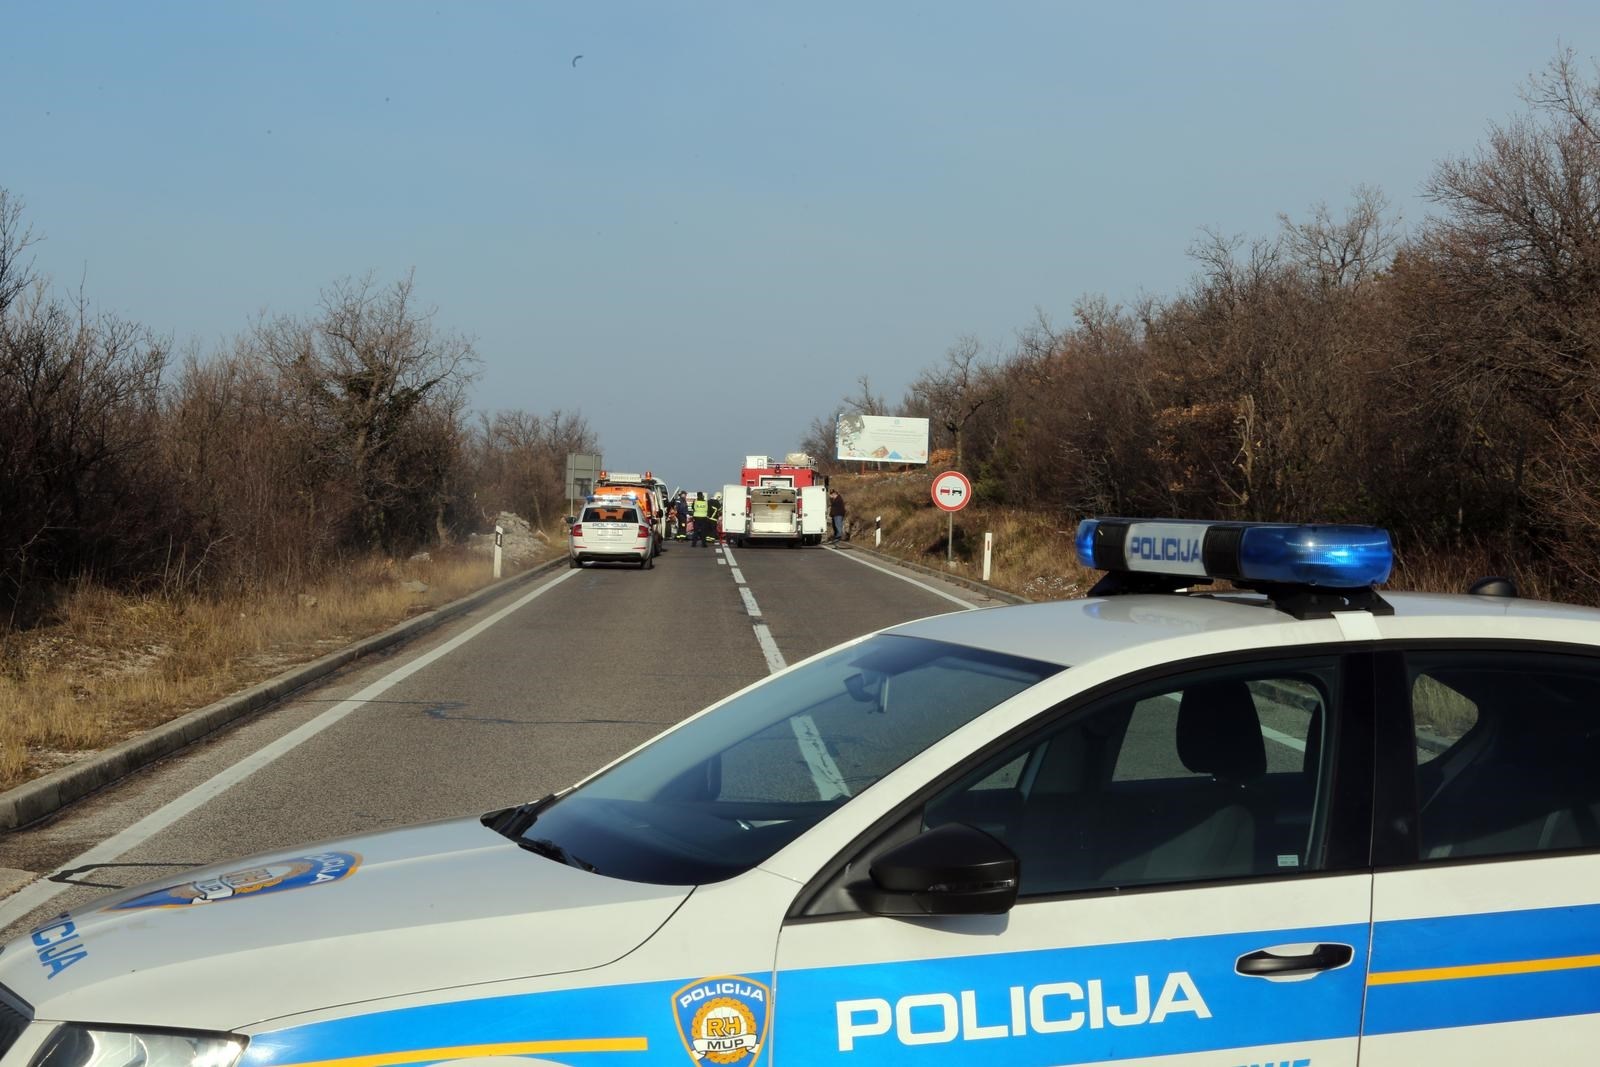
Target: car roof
{"points": [[1075, 632]]}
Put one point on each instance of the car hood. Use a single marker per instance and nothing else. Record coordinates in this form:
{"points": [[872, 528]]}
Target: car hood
{"points": [[425, 907]]}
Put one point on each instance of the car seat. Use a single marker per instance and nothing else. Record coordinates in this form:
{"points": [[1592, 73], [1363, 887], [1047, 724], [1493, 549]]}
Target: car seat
{"points": [[1213, 833]]}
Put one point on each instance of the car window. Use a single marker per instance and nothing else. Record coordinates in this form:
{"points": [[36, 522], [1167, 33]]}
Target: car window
{"points": [[1441, 716], [1216, 775], [1286, 708], [610, 514], [1509, 751], [725, 791]]}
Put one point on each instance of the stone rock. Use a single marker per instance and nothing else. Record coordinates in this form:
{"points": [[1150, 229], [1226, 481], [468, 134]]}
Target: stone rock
{"points": [[420, 557], [306, 600], [519, 544], [414, 586]]}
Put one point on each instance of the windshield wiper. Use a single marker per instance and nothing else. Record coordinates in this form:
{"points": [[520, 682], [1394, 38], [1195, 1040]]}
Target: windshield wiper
{"points": [[513, 821], [549, 849]]}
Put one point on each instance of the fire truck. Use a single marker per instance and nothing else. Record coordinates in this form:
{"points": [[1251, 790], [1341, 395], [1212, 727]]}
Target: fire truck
{"points": [[774, 501]]}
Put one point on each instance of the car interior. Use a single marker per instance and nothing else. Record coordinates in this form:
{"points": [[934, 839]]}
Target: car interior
{"points": [[1170, 786]]}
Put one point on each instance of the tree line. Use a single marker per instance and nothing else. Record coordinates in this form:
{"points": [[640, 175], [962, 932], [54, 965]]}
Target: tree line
{"points": [[1443, 381], [310, 440]]}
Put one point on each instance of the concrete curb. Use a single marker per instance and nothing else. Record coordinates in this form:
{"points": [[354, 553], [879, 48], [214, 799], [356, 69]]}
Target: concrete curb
{"points": [[32, 801], [934, 572]]}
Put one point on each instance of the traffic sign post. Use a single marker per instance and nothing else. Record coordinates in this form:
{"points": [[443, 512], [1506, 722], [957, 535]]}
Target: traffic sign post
{"points": [[951, 491]]}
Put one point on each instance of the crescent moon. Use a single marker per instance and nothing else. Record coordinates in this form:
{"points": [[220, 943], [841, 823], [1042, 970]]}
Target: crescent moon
{"points": [[575, 60]]}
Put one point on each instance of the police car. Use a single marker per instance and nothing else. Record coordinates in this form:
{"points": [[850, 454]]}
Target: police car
{"points": [[1298, 822], [612, 529]]}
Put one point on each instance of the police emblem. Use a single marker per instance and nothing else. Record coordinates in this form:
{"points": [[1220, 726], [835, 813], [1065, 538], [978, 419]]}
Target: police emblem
{"points": [[723, 1020], [274, 877]]}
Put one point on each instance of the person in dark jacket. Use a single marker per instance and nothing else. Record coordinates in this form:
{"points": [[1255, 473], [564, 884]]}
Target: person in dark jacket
{"points": [[836, 512]]}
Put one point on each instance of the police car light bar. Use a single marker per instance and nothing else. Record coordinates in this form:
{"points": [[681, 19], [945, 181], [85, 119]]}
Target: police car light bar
{"points": [[1248, 553]]}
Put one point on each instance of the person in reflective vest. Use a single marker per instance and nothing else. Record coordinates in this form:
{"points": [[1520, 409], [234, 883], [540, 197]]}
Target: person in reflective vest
{"points": [[702, 513], [714, 518]]}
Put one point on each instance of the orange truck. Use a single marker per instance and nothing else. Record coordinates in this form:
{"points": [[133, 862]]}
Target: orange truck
{"points": [[649, 491]]}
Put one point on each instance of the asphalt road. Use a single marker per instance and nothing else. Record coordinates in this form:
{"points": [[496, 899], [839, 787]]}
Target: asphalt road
{"points": [[509, 702]]}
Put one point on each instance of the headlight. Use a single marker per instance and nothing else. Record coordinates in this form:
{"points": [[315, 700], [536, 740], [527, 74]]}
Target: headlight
{"points": [[81, 1046]]}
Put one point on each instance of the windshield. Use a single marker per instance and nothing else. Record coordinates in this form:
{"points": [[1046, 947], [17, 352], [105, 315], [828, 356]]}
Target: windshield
{"points": [[724, 792], [610, 514]]}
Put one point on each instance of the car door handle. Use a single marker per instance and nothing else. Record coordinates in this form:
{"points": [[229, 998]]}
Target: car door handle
{"points": [[1292, 961]]}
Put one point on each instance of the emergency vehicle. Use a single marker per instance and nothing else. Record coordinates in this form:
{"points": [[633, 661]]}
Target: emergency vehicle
{"points": [[773, 501], [611, 530], [1298, 821], [644, 489]]}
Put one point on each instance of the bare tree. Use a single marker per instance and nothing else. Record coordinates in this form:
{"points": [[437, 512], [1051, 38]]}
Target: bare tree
{"points": [[866, 402], [1499, 305], [956, 390], [16, 237], [821, 440], [359, 376], [80, 485], [520, 461], [1348, 251]]}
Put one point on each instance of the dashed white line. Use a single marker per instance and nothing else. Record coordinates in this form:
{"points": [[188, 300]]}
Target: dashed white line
{"points": [[769, 648], [32, 896], [825, 772]]}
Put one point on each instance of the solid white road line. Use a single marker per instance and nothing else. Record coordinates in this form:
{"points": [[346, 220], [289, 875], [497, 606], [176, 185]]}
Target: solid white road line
{"points": [[855, 557], [1287, 740], [33, 895]]}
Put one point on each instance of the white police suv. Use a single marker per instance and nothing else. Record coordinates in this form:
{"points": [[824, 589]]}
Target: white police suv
{"points": [[1296, 826]]}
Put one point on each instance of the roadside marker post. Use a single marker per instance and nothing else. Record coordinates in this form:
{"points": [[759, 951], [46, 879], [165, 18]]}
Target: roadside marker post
{"points": [[877, 532], [988, 553], [499, 538]]}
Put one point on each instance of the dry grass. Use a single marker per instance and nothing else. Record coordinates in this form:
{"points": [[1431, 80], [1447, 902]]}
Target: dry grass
{"points": [[112, 665], [1032, 556]]}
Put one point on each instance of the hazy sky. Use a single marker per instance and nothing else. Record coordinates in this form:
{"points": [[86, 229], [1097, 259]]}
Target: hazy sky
{"points": [[707, 229]]}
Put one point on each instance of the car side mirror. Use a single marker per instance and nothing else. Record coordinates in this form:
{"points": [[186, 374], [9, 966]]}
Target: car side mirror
{"points": [[954, 869], [571, 519]]}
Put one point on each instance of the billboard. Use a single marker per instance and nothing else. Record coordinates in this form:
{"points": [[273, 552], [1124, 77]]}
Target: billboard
{"points": [[882, 438]]}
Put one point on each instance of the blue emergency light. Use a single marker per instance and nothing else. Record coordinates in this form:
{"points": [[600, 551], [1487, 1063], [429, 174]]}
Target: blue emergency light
{"points": [[1323, 557]]}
